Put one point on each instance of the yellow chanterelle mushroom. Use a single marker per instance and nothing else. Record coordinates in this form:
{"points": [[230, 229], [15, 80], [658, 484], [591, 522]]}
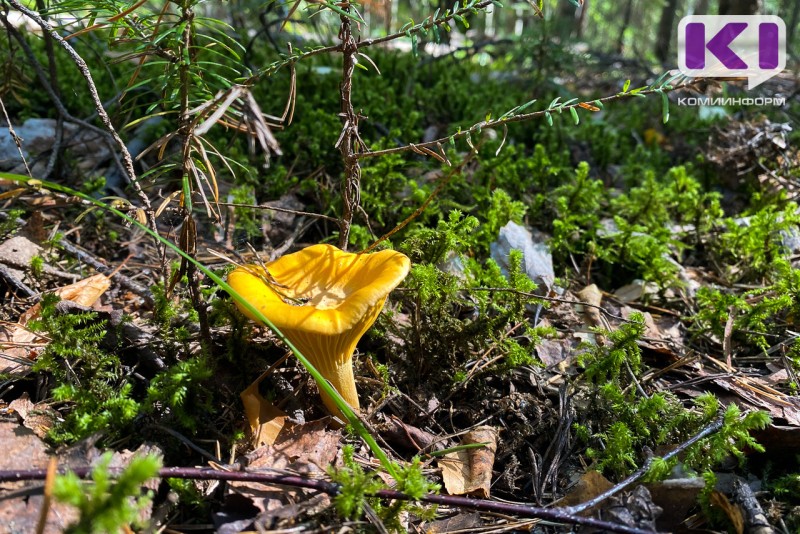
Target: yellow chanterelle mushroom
{"points": [[323, 300]]}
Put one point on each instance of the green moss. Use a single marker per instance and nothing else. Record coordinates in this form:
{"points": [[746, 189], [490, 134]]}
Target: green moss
{"points": [[89, 380], [108, 502]]}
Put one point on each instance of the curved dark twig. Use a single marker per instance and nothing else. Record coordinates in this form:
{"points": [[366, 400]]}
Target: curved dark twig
{"points": [[642, 471], [561, 515]]}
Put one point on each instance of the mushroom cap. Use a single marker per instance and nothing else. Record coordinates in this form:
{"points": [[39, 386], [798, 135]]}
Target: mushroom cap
{"points": [[334, 291], [323, 300]]}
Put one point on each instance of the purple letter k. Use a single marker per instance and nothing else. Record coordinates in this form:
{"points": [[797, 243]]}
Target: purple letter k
{"points": [[718, 45]]}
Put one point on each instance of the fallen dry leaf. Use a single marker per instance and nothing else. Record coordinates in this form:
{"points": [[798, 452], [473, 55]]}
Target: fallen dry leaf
{"points": [[554, 351], [591, 295], [84, 292], [589, 485], [676, 496], [461, 522], [266, 420], [307, 449], [469, 471], [38, 417], [401, 434], [21, 502]]}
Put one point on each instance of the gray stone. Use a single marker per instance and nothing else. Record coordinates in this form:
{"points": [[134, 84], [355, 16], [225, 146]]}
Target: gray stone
{"points": [[36, 137], [538, 262]]}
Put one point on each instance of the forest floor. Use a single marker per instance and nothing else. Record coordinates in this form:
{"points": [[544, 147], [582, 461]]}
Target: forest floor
{"points": [[635, 366]]}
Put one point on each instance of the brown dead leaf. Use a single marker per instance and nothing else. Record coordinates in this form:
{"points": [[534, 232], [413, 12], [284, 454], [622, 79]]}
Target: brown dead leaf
{"points": [[401, 434], [593, 296], [307, 449], [38, 417], [16, 340], [469, 471], [83, 292], [757, 393], [21, 502], [589, 485], [676, 496], [661, 333], [635, 290], [266, 420], [461, 522], [554, 351]]}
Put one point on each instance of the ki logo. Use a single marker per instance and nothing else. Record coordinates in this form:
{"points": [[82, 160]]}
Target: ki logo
{"points": [[749, 46]]}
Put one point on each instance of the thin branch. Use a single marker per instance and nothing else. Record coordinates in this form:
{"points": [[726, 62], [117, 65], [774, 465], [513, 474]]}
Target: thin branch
{"points": [[349, 143], [442, 184], [282, 210], [101, 112], [561, 515], [15, 137], [476, 128], [94, 263], [549, 299], [426, 24], [87, 75], [642, 471], [423, 26]]}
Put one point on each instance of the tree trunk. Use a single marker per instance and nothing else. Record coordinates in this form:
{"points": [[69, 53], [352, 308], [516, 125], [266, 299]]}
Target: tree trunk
{"points": [[738, 7], [701, 8], [582, 18], [665, 27], [626, 20], [791, 24]]}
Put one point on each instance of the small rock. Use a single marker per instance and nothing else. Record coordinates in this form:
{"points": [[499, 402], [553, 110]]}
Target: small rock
{"points": [[635, 290], [17, 253], [538, 262]]}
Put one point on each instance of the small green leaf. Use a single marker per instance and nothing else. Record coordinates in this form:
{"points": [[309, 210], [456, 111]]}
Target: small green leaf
{"points": [[525, 106], [548, 117], [575, 117], [665, 107], [626, 86]]}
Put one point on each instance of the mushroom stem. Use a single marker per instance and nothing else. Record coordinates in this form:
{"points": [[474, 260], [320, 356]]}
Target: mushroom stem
{"points": [[340, 375], [332, 356]]}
